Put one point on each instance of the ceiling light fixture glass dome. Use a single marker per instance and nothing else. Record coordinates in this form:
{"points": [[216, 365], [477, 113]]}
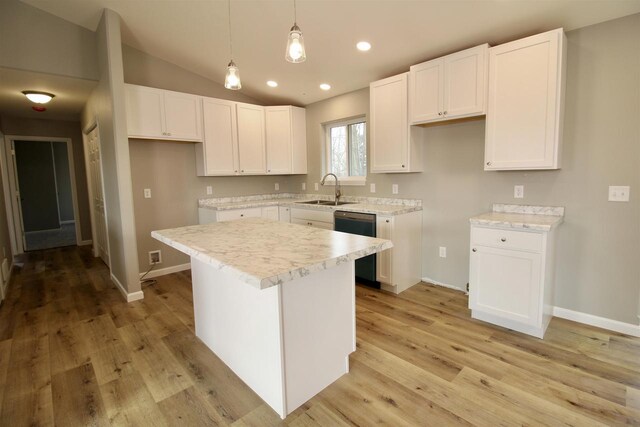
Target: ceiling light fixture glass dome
{"points": [[38, 97]]}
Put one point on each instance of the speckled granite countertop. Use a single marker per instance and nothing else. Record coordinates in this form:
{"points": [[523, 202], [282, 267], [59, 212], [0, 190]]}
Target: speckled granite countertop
{"points": [[540, 218], [375, 205], [266, 253]]}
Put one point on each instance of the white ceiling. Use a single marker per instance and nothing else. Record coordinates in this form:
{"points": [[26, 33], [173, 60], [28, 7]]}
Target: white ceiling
{"points": [[71, 94], [194, 35]]}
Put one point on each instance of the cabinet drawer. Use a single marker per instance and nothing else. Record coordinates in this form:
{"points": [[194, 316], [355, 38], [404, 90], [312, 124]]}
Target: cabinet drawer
{"points": [[239, 213], [317, 224], [312, 215], [508, 239]]}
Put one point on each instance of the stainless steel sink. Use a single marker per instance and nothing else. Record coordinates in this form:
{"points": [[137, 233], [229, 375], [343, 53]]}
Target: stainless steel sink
{"points": [[313, 202], [324, 203]]}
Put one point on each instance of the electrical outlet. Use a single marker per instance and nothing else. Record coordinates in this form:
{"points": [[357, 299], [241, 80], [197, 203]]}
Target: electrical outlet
{"points": [[277, 186], [209, 190], [619, 193], [443, 251], [155, 257], [372, 188], [304, 186], [394, 188], [518, 191], [317, 187], [147, 193]]}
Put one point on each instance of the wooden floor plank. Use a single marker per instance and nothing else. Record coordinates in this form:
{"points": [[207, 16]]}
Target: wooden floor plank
{"points": [[129, 403], [189, 408], [76, 398]]}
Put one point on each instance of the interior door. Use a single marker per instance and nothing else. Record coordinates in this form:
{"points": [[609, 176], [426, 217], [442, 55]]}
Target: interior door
{"points": [[97, 192]]}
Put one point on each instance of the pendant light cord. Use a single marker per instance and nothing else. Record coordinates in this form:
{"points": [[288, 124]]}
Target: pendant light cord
{"points": [[295, 13], [230, 42]]}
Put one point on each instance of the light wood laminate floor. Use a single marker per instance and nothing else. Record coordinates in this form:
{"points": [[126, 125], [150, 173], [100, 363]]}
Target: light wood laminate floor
{"points": [[73, 353]]}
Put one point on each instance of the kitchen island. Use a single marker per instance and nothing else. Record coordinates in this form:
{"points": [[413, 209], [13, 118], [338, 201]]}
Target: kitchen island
{"points": [[275, 301]]}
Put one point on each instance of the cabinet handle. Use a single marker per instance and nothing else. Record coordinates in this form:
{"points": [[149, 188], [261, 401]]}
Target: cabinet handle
{"points": [[474, 250], [503, 239], [488, 163]]}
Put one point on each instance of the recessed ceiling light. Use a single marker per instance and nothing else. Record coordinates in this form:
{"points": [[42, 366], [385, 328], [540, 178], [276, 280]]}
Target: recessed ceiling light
{"points": [[325, 86], [272, 83], [363, 46], [38, 97]]}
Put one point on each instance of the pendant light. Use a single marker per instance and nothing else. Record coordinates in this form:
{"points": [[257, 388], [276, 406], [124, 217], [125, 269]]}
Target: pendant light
{"points": [[295, 43], [232, 79]]}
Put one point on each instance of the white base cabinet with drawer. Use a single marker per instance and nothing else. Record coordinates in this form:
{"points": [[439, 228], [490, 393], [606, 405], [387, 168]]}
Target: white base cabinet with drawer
{"points": [[207, 216], [511, 278], [400, 267], [312, 218]]}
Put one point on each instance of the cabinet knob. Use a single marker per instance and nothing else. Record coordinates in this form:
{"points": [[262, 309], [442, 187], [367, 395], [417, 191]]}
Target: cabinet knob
{"points": [[241, 215], [440, 113], [503, 239], [445, 113], [169, 133], [402, 165], [268, 170], [474, 250], [242, 171], [488, 163], [235, 171], [387, 221]]}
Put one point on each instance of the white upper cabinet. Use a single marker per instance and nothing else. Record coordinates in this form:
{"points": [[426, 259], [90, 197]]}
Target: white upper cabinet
{"points": [[450, 87], [286, 140], [251, 139], [395, 147], [526, 103], [218, 154], [162, 114]]}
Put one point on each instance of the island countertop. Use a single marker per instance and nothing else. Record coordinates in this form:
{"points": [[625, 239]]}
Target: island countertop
{"points": [[266, 253]]}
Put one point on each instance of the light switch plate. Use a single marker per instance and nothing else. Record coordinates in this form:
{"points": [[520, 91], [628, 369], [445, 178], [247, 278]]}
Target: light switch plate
{"points": [[147, 193], [317, 187], [277, 186], [619, 193], [394, 188], [304, 186], [372, 188], [443, 251], [209, 190], [518, 191]]}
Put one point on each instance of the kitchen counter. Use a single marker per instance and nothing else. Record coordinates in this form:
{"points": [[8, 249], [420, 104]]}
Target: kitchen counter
{"points": [[374, 205], [266, 253], [275, 301], [540, 218]]}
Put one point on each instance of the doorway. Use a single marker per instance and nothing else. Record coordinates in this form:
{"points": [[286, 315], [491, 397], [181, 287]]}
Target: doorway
{"points": [[40, 185]]}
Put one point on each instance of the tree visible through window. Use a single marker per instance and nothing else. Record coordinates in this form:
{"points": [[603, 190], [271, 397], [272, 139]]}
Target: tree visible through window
{"points": [[347, 148]]}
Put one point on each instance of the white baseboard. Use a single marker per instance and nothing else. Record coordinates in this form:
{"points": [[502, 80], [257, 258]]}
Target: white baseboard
{"points": [[167, 270], [444, 285], [133, 296], [600, 322], [85, 242]]}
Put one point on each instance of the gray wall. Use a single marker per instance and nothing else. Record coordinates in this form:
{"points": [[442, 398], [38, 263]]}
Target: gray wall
{"points": [[36, 180], [34, 40], [168, 168], [63, 181], [599, 243], [106, 107], [60, 129]]}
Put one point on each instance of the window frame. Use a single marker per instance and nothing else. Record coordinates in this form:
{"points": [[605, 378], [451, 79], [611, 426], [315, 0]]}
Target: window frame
{"points": [[326, 134]]}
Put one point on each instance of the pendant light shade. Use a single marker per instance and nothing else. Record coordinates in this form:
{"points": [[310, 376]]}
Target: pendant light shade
{"points": [[232, 79], [295, 42]]}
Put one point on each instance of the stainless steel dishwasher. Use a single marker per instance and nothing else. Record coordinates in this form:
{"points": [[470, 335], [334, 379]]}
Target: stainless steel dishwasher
{"points": [[364, 225]]}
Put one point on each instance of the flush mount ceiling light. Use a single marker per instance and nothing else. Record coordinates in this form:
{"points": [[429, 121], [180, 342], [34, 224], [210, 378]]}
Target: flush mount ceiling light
{"points": [[363, 46], [295, 43], [38, 97], [272, 83], [325, 86], [232, 79]]}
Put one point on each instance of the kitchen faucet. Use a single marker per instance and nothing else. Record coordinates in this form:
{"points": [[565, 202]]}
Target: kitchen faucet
{"points": [[338, 192]]}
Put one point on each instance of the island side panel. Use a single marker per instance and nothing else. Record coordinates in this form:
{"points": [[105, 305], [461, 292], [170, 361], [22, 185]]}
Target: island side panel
{"points": [[241, 325], [318, 316]]}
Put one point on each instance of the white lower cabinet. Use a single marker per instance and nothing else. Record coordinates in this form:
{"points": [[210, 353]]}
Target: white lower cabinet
{"points": [[400, 267], [284, 213], [312, 218], [511, 278], [206, 216]]}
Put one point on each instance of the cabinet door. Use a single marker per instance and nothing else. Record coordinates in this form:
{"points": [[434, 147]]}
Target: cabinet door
{"points": [[145, 113], [284, 214], [389, 125], [524, 112], [505, 283], [384, 230], [220, 147], [251, 144], [278, 136], [270, 212], [426, 91], [465, 83], [183, 116]]}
